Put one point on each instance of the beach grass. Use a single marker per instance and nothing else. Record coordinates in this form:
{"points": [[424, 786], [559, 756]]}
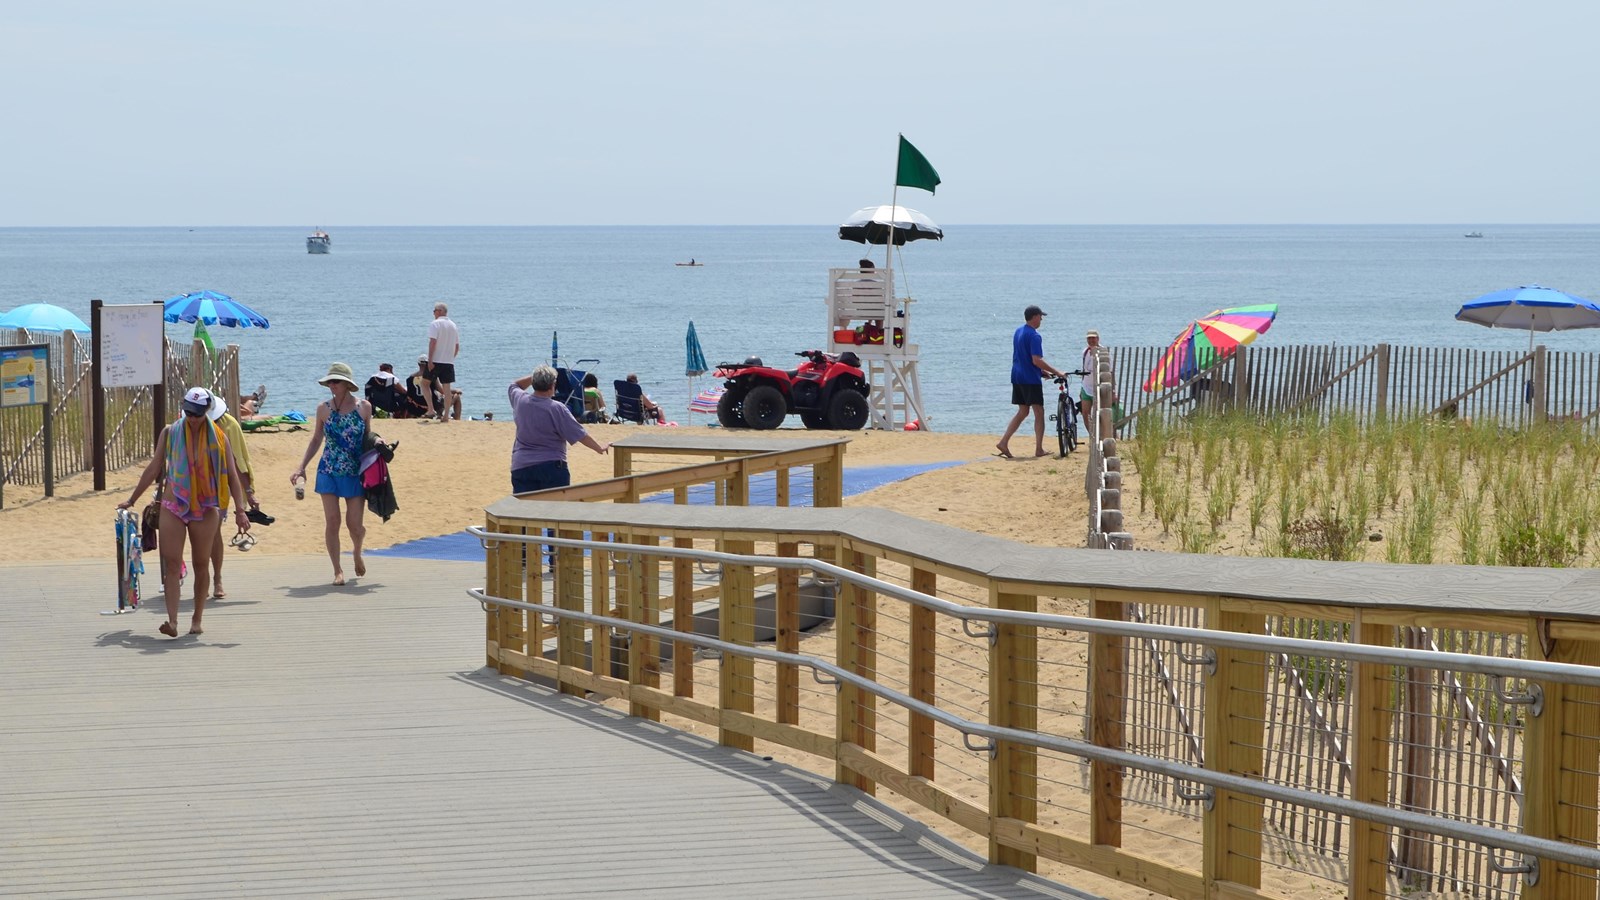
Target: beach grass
{"points": [[1414, 490]]}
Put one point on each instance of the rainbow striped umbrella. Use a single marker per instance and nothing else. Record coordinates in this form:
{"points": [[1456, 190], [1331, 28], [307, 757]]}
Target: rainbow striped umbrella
{"points": [[1209, 340]]}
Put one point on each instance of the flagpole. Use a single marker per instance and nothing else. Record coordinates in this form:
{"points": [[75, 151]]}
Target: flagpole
{"points": [[894, 203]]}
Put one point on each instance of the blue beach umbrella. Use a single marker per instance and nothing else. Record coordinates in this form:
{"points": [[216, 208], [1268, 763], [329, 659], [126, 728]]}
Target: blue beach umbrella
{"points": [[555, 349], [1532, 308], [213, 308], [42, 317], [696, 364]]}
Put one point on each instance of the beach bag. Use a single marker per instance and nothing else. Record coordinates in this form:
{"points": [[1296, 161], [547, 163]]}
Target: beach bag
{"points": [[150, 522]]}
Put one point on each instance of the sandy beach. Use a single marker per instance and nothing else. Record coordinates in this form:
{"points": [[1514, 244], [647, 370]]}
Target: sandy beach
{"points": [[444, 475]]}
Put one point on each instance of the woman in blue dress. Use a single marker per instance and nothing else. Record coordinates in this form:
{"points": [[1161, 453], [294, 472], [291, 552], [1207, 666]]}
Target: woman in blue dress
{"points": [[343, 422]]}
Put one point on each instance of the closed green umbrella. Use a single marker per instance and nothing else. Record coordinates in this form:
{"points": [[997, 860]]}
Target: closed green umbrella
{"points": [[696, 364]]}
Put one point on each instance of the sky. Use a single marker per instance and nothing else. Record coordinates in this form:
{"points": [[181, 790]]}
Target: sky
{"points": [[478, 112]]}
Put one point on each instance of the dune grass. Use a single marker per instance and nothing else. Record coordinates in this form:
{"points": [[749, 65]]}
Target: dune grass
{"points": [[1417, 490]]}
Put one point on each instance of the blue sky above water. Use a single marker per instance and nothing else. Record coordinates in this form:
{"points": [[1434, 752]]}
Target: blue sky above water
{"points": [[306, 113]]}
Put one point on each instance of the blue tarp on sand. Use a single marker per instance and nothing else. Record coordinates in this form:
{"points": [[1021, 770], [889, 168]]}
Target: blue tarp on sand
{"points": [[463, 547]]}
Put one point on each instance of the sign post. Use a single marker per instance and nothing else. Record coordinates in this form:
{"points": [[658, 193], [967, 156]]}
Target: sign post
{"points": [[25, 381]]}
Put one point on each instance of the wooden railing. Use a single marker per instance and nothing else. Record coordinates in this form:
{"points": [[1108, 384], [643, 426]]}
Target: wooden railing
{"points": [[990, 683]]}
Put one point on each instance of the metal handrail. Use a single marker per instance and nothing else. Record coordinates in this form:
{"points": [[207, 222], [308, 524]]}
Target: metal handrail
{"points": [[1533, 847], [1566, 673]]}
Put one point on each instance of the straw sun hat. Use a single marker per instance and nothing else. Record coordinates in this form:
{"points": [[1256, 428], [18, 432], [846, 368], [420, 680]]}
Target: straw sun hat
{"points": [[339, 372]]}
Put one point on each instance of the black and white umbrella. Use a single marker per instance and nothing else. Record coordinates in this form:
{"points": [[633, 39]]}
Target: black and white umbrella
{"points": [[871, 226]]}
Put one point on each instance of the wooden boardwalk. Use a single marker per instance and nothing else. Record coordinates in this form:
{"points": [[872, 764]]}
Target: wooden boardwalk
{"points": [[342, 742]]}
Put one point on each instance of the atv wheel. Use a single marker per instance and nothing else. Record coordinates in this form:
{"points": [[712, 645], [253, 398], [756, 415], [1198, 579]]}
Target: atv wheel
{"points": [[847, 410], [729, 412], [814, 419], [764, 407]]}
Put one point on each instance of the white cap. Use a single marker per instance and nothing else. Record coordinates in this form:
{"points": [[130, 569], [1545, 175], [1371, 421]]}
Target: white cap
{"points": [[198, 399]]}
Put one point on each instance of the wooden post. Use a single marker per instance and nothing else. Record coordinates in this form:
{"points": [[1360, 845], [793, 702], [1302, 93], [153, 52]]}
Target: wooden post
{"points": [[682, 610], [644, 605], [786, 623], [1370, 728], [621, 461], [158, 393], [855, 623], [1561, 749], [199, 366], [1242, 378], [1382, 413], [924, 667], [739, 485], [231, 386], [600, 605], [1013, 703], [1108, 700], [1414, 853], [827, 480], [505, 577], [737, 624], [781, 486], [97, 398], [1235, 714], [1541, 371], [569, 596]]}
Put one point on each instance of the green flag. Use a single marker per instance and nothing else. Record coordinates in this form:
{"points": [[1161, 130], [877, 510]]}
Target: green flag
{"points": [[914, 170]]}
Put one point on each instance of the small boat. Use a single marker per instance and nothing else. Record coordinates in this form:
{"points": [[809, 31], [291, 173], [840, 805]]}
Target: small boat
{"points": [[319, 242], [1474, 234], [691, 262]]}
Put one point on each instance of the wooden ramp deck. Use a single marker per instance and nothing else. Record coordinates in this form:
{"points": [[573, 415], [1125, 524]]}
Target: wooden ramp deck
{"points": [[341, 742]]}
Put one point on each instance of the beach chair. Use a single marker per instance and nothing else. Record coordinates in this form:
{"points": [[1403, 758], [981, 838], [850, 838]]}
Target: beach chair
{"points": [[569, 385], [630, 401]]}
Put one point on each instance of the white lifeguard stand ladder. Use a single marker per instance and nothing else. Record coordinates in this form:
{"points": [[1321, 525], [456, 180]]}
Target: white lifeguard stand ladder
{"points": [[857, 297]]}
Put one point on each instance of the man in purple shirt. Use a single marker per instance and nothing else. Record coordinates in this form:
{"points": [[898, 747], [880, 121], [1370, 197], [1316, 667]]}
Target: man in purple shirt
{"points": [[544, 429]]}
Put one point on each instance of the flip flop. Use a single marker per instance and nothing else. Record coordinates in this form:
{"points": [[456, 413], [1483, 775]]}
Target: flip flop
{"points": [[1003, 455]]}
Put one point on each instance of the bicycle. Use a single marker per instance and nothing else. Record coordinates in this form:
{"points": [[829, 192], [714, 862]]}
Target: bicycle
{"points": [[1066, 417]]}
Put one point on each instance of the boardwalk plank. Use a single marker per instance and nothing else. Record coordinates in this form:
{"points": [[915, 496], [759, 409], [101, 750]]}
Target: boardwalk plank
{"points": [[341, 743]]}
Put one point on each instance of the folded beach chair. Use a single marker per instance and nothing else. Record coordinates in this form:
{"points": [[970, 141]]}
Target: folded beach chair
{"points": [[630, 401]]}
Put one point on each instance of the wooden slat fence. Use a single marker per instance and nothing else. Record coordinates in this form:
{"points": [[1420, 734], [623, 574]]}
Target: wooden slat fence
{"points": [[130, 426], [1375, 382]]}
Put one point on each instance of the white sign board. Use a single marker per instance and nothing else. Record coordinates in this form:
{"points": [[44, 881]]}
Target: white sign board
{"points": [[131, 343]]}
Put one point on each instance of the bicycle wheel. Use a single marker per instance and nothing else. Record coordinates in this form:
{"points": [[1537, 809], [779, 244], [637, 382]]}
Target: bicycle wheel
{"points": [[1072, 426], [1065, 436]]}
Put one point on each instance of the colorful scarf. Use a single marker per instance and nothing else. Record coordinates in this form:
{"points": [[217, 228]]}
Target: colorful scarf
{"points": [[195, 474]]}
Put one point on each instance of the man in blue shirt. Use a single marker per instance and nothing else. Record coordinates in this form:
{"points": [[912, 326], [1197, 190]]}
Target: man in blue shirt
{"points": [[1027, 385]]}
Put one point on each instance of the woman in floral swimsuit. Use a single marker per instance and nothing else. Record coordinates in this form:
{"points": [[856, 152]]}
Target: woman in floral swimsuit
{"points": [[343, 422]]}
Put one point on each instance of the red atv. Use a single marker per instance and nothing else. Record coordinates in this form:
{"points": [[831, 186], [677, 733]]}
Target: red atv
{"points": [[827, 391]]}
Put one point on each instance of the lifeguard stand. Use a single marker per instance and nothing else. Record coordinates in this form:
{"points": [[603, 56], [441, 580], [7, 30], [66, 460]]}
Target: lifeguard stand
{"points": [[862, 301]]}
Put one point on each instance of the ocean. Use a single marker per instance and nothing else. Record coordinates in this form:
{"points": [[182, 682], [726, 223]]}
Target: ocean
{"points": [[613, 294]]}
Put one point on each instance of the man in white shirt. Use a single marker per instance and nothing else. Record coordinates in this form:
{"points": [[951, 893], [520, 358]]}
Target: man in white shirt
{"points": [[444, 342]]}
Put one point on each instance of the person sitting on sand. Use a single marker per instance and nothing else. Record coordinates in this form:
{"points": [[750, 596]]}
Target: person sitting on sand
{"points": [[650, 407], [383, 391], [594, 402]]}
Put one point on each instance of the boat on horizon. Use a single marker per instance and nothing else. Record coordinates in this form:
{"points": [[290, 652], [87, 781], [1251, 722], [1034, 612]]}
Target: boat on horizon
{"points": [[691, 262], [1474, 234], [319, 242]]}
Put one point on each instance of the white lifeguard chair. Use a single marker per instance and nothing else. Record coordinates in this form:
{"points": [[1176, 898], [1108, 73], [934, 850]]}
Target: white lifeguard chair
{"points": [[857, 299]]}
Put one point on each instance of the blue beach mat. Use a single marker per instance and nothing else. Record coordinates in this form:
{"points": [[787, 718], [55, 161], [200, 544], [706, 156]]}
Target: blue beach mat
{"points": [[463, 547]]}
